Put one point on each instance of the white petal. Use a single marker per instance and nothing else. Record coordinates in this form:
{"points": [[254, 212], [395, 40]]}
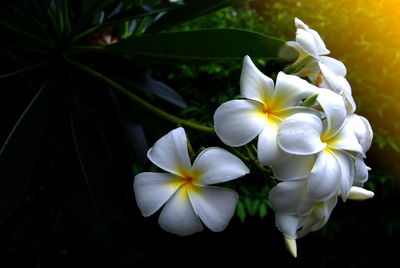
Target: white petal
{"points": [[306, 41], [216, 165], [214, 205], [290, 198], [288, 224], [254, 84], [285, 113], [178, 216], [330, 79], [290, 90], [152, 190], [338, 84], [346, 140], [362, 129], [319, 44], [346, 163], [170, 152], [358, 193], [289, 51], [314, 39], [237, 122], [324, 181], [307, 224], [335, 111], [361, 172], [300, 134], [336, 66], [346, 93], [318, 218], [329, 206], [294, 167], [326, 212], [300, 24], [310, 69], [269, 152], [294, 45]]}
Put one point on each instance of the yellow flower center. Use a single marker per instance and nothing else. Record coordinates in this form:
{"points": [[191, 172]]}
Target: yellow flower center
{"points": [[188, 176], [187, 181]]}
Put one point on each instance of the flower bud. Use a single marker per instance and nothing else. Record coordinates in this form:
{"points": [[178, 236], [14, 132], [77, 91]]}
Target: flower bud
{"points": [[358, 193], [291, 245]]}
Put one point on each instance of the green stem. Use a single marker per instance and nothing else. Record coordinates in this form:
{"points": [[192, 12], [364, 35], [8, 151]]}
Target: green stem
{"points": [[239, 154], [250, 153], [139, 101]]}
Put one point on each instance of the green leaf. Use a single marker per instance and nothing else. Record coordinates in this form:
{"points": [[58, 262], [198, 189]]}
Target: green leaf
{"points": [[161, 90], [224, 44], [93, 6], [262, 210], [240, 211], [90, 8], [136, 12], [19, 153], [189, 11], [22, 32], [310, 101], [252, 206]]}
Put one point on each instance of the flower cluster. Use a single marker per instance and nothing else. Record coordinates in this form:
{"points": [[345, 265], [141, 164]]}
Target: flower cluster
{"points": [[316, 149], [306, 130], [326, 151]]}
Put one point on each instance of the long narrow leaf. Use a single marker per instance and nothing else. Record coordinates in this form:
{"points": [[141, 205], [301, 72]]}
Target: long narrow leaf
{"points": [[22, 32], [19, 153], [161, 90], [136, 12], [189, 11], [81, 164], [24, 69], [89, 9], [102, 158], [200, 45]]}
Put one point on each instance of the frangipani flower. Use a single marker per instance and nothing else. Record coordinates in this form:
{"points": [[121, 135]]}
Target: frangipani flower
{"points": [[296, 214], [309, 46], [184, 190], [324, 71], [260, 113], [333, 142]]}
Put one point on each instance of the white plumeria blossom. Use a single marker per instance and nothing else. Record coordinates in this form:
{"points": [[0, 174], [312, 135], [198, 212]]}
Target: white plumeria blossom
{"points": [[329, 145], [184, 191], [296, 214], [311, 62], [260, 112]]}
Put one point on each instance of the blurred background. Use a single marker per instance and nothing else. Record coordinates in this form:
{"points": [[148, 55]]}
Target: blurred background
{"points": [[55, 225]]}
